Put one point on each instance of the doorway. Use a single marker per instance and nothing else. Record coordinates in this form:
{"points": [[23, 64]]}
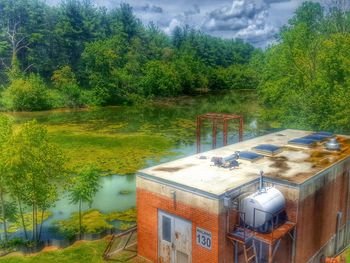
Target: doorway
{"points": [[174, 239]]}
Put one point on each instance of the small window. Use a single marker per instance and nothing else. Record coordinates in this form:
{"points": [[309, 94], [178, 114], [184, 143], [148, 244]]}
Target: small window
{"points": [[166, 228]]}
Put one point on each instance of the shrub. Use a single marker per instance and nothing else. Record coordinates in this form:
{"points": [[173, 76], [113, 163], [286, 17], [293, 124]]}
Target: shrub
{"points": [[93, 222], [28, 94], [65, 82], [160, 79]]}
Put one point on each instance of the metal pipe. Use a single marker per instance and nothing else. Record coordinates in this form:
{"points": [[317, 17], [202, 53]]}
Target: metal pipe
{"points": [[261, 181], [337, 228], [347, 216]]}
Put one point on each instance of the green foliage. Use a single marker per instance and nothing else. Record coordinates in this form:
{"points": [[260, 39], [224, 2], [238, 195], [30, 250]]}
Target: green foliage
{"points": [[160, 79], [305, 81], [127, 216], [16, 224], [85, 185], [83, 188], [35, 169], [65, 82], [233, 77], [29, 94], [93, 222], [191, 73], [7, 209], [95, 56]]}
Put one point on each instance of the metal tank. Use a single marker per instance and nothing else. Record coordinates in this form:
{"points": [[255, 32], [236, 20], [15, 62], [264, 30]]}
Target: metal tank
{"points": [[267, 202]]}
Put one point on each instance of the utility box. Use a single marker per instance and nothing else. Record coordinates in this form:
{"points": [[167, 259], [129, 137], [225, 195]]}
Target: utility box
{"points": [[189, 210]]}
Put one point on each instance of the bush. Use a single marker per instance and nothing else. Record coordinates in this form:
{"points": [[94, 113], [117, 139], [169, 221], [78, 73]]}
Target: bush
{"points": [[65, 82], [160, 79], [29, 94], [233, 77], [93, 222]]}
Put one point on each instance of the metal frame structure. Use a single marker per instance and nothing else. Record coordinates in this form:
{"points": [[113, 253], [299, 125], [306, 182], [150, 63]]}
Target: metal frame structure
{"points": [[272, 239], [122, 246], [216, 118]]}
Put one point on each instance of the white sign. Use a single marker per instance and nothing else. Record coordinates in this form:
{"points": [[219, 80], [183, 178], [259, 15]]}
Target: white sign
{"points": [[203, 238]]}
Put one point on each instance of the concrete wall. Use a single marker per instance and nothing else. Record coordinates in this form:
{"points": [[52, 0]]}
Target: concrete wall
{"points": [[320, 200]]}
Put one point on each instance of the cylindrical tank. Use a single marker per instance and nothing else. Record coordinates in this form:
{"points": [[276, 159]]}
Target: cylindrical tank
{"points": [[270, 200]]}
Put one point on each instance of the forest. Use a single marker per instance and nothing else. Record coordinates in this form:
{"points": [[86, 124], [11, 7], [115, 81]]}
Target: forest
{"points": [[76, 54]]}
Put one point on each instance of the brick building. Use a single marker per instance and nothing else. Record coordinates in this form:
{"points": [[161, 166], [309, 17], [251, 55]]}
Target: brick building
{"points": [[189, 209]]}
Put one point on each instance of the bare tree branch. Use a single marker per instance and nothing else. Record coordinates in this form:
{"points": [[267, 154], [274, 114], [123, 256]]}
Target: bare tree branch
{"points": [[27, 68]]}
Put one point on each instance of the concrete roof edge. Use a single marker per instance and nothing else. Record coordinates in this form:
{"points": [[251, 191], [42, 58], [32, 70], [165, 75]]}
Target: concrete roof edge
{"points": [[325, 171], [211, 195], [178, 186]]}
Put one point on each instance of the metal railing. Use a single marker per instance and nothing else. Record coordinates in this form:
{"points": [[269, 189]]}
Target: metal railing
{"points": [[128, 234], [273, 224]]}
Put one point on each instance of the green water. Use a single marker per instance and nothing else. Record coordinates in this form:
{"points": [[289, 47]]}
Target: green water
{"points": [[171, 123]]}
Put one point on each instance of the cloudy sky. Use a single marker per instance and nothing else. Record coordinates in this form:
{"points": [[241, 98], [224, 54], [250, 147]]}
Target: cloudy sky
{"points": [[255, 21]]}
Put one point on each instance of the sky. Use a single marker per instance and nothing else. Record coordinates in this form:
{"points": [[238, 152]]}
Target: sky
{"points": [[255, 21]]}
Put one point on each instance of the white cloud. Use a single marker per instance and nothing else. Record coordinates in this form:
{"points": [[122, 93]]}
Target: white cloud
{"points": [[246, 19], [253, 20]]}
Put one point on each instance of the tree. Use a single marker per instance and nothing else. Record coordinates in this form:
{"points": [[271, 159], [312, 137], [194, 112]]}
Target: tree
{"points": [[160, 79], [6, 130], [26, 94], [65, 82], [123, 21], [304, 83], [85, 185], [191, 71], [36, 171]]}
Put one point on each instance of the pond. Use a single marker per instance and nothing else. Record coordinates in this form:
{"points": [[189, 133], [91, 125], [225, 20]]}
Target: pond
{"points": [[120, 140]]}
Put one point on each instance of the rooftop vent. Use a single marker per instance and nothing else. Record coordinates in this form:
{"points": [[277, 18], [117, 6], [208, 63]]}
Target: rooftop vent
{"points": [[268, 149], [227, 162], [333, 145]]}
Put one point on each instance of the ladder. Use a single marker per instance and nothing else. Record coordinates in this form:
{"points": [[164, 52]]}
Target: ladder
{"points": [[250, 251]]}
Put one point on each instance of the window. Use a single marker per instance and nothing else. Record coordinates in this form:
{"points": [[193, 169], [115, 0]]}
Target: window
{"points": [[166, 228]]}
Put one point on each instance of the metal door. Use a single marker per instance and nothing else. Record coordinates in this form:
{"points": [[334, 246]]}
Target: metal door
{"points": [[175, 239]]}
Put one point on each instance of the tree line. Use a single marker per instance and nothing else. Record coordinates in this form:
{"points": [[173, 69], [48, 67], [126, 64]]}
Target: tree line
{"points": [[77, 54], [304, 79]]}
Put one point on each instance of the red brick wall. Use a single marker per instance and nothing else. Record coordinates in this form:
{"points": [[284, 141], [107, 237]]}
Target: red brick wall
{"points": [[317, 216], [148, 204]]}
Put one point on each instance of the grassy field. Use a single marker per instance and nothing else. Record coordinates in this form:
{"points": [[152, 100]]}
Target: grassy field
{"points": [[84, 252], [79, 252]]}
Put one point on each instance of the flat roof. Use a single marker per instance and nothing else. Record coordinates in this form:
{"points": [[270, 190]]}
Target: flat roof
{"points": [[295, 164]]}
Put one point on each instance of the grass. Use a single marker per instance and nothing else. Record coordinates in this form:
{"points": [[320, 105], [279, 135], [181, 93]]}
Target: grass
{"points": [[347, 254], [79, 252]]}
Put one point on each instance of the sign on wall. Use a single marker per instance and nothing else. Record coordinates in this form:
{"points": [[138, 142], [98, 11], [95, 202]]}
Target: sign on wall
{"points": [[203, 238]]}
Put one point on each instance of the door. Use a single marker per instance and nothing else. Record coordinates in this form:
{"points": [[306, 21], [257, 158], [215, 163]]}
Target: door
{"points": [[175, 239]]}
